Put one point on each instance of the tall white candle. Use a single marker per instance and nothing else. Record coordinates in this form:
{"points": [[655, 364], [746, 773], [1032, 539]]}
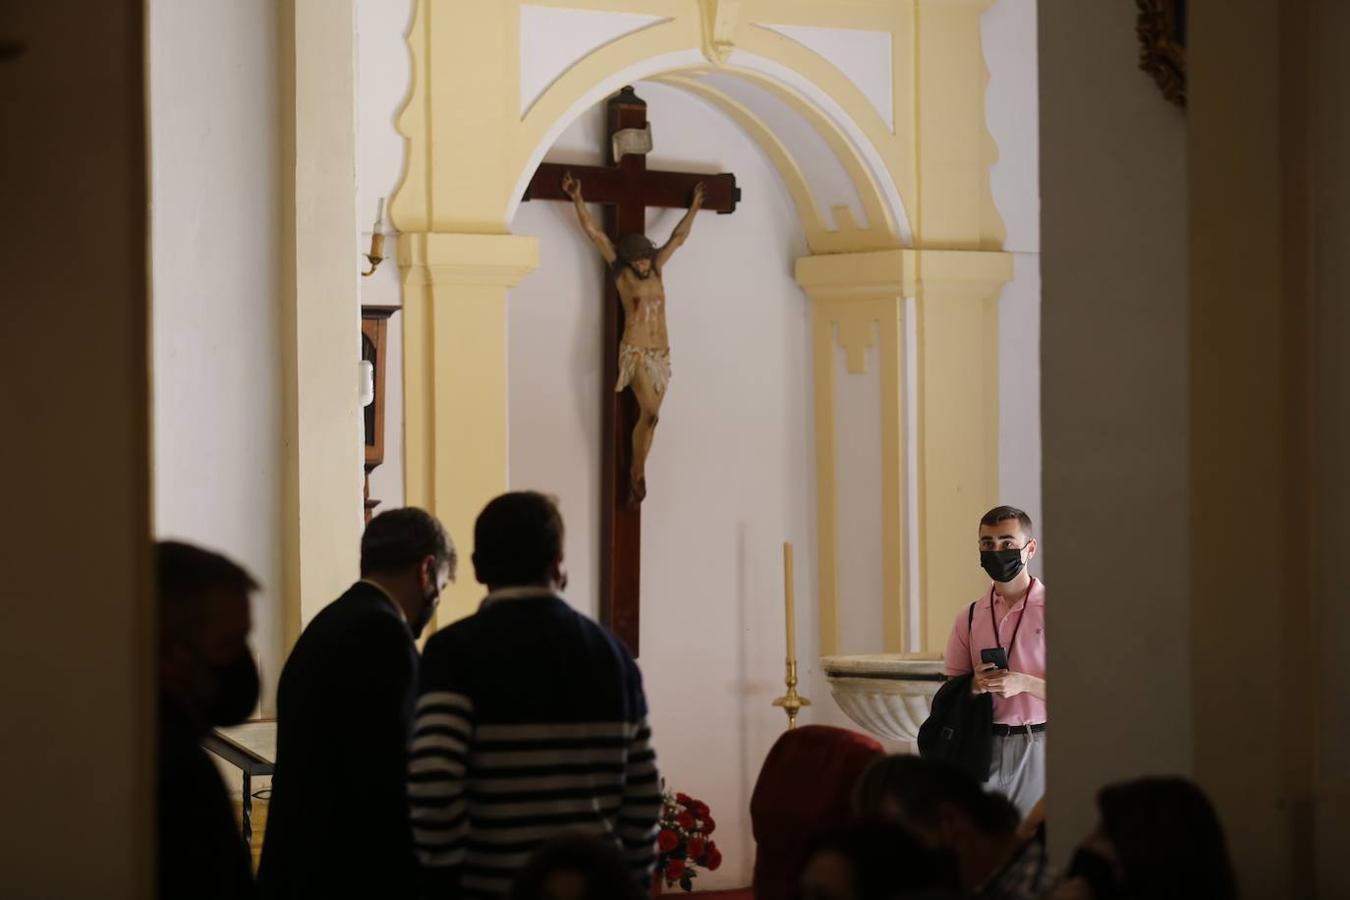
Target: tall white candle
{"points": [[787, 593]]}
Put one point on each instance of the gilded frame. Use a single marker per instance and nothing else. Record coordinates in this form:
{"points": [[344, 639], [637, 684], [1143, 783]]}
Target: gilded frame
{"points": [[1161, 27]]}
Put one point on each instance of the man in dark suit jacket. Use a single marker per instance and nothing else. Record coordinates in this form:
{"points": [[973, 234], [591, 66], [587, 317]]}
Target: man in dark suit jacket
{"points": [[338, 820]]}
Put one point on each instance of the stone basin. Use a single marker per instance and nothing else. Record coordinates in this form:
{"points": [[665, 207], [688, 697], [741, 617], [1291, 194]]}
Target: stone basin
{"points": [[887, 694]]}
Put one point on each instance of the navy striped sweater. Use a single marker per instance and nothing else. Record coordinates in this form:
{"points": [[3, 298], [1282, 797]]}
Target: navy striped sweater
{"points": [[531, 723]]}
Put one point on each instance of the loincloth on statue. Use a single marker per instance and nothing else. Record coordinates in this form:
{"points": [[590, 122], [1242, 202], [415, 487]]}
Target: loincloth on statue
{"points": [[655, 363]]}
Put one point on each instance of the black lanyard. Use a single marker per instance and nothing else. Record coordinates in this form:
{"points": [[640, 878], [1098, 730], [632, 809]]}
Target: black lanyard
{"points": [[1018, 626]]}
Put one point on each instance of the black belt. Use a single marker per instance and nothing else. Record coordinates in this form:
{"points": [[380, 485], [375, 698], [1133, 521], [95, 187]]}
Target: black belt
{"points": [[1005, 730]]}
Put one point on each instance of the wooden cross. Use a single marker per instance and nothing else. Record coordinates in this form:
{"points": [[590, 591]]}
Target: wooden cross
{"points": [[625, 188]]}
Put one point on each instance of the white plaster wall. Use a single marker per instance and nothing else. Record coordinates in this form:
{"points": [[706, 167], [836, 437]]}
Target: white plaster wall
{"points": [[215, 184], [1008, 30], [1012, 110], [383, 79], [1115, 355], [1019, 395], [732, 469], [860, 582]]}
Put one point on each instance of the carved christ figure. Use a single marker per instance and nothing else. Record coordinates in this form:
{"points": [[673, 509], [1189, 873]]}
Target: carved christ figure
{"points": [[644, 349]]}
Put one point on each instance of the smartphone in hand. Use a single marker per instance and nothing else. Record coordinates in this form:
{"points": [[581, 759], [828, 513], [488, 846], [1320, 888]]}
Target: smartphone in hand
{"points": [[996, 655]]}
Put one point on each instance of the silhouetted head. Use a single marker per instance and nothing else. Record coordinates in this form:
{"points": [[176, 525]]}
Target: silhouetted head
{"points": [[1167, 838], [518, 542], [205, 667], [942, 807], [407, 552]]}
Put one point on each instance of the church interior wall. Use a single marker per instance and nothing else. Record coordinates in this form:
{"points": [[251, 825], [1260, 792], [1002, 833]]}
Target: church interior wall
{"points": [[1008, 30], [731, 474], [384, 72], [1116, 423], [77, 676], [1124, 663], [1332, 437], [215, 148], [858, 460], [1268, 405], [712, 606]]}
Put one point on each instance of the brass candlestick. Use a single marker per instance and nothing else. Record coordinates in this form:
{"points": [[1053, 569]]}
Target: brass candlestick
{"points": [[791, 702]]}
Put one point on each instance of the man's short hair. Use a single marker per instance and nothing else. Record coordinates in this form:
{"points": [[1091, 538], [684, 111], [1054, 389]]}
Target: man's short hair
{"points": [[399, 538], [185, 575], [919, 787], [517, 539], [1003, 514]]}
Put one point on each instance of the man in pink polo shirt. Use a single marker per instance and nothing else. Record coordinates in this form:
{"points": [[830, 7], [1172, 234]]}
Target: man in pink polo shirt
{"points": [[1010, 615]]}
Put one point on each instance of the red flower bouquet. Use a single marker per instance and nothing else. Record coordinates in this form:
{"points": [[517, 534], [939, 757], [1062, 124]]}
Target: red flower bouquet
{"points": [[684, 842]]}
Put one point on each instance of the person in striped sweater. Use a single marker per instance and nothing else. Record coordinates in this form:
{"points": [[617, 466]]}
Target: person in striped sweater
{"points": [[531, 721]]}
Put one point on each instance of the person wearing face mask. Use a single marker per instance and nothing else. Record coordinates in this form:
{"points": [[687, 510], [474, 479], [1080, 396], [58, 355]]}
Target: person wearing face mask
{"points": [[1009, 620], [207, 679], [338, 818]]}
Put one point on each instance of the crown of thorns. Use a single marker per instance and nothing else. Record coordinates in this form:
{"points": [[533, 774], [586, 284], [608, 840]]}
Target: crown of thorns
{"points": [[633, 247]]}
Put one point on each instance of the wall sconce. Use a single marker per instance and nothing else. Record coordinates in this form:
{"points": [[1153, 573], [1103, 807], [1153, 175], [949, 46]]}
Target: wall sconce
{"points": [[376, 253]]}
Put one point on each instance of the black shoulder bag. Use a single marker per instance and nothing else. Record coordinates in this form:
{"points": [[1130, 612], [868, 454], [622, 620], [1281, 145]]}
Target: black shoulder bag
{"points": [[960, 725]]}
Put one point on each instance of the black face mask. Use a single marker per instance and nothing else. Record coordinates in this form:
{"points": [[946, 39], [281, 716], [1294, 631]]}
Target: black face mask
{"points": [[424, 617], [1098, 872], [1002, 565], [234, 691]]}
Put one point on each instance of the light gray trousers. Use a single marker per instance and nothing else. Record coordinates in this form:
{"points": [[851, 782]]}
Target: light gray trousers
{"points": [[1017, 768]]}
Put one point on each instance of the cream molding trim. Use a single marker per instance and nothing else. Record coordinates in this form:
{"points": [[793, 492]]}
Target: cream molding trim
{"points": [[844, 277], [719, 28], [482, 259]]}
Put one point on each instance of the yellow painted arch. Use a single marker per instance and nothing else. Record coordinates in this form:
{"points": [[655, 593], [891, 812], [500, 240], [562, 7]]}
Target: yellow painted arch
{"points": [[663, 52]]}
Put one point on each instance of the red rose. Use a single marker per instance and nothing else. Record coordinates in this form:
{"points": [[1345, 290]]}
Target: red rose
{"points": [[685, 821], [667, 840], [714, 858], [674, 869], [708, 825], [696, 847], [683, 799], [700, 809]]}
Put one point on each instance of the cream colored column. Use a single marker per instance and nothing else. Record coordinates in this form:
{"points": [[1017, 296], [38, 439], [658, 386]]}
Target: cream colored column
{"points": [[454, 369], [954, 149], [957, 339], [321, 319], [957, 303], [851, 292], [957, 412]]}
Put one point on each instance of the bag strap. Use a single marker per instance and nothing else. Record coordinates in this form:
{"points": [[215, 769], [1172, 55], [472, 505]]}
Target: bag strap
{"points": [[970, 621], [1026, 601]]}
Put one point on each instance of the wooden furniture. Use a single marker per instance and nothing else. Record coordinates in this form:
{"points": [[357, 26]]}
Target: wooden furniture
{"points": [[625, 188], [374, 346]]}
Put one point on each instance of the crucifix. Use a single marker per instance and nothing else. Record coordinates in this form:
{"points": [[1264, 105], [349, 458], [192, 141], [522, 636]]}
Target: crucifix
{"points": [[625, 188]]}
